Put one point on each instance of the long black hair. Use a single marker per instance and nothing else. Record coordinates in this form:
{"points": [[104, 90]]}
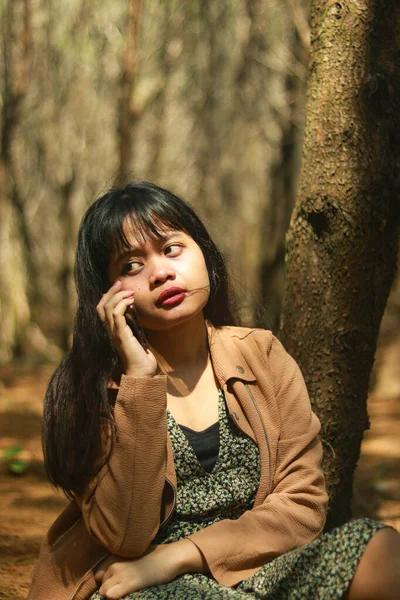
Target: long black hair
{"points": [[77, 405]]}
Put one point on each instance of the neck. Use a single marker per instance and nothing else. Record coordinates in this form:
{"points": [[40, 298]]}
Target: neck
{"points": [[183, 348]]}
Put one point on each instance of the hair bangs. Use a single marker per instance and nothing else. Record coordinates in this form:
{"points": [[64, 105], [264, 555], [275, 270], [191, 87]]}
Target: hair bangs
{"points": [[142, 220]]}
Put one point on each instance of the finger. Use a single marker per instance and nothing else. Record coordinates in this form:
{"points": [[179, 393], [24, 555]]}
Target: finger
{"points": [[116, 299], [109, 574], [121, 307], [119, 590], [111, 311], [103, 568], [101, 314], [112, 581], [104, 308], [112, 290], [106, 297], [111, 298], [121, 328], [99, 576], [117, 315]]}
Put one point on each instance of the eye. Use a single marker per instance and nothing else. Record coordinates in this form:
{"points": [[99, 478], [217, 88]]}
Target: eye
{"points": [[134, 265], [173, 249]]}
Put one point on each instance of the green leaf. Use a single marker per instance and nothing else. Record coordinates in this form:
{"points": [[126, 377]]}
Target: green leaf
{"points": [[18, 467], [11, 452]]}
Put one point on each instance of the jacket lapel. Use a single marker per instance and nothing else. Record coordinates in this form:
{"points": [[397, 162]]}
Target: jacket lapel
{"points": [[233, 373], [227, 360]]}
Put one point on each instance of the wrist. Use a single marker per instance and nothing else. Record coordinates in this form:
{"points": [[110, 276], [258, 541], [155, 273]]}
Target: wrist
{"points": [[137, 373], [189, 558]]}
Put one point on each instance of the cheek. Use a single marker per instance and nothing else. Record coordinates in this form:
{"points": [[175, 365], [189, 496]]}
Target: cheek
{"points": [[139, 299], [204, 271], [128, 284]]}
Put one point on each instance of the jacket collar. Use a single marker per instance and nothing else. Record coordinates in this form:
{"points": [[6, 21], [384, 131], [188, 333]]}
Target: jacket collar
{"points": [[227, 359]]}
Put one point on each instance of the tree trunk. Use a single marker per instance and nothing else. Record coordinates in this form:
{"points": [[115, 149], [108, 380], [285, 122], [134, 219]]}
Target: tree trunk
{"points": [[159, 139], [208, 121], [343, 237], [284, 172], [17, 53], [127, 112]]}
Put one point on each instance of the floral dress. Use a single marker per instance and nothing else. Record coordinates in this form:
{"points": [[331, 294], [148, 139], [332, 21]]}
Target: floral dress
{"points": [[321, 569]]}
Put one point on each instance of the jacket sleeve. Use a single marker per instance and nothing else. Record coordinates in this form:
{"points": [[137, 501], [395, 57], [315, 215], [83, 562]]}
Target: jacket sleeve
{"points": [[293, 514], [122, 505]]}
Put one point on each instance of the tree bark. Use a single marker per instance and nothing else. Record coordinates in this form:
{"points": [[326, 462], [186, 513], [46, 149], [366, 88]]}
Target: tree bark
{"points": [[127, 111], [158, 142], [343, 238], [17, 52], [285, 171], [208, 120]]}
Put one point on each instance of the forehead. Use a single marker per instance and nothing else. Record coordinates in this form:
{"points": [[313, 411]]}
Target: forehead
{"points": [[137, 238]]}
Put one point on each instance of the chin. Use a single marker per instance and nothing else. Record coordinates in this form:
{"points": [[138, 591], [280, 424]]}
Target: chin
{"points": [[173, 318]]}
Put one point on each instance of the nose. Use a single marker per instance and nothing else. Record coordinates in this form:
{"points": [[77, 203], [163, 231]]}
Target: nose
{"points": [[161, 272]]}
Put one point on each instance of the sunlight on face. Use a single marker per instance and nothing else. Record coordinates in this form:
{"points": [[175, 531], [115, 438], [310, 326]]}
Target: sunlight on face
{"points": [[153, 264]]}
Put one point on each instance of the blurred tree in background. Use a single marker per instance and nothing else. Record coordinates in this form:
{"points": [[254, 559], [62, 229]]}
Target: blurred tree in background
{"points": [[203, 98], [17, 59]]}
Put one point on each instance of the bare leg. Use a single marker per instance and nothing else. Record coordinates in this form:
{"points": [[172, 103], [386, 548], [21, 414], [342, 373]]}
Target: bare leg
{"points": [[377, 576]]}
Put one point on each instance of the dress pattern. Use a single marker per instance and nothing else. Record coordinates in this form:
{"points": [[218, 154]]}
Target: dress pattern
{"points": [[225, 493], [320, 570]]}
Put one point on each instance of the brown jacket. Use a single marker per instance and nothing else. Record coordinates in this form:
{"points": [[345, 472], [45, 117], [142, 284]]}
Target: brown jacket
{"points": [[134, 493]]}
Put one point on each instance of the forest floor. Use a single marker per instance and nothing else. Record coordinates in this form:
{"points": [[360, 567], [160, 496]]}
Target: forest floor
{"points": [[28, 505]]}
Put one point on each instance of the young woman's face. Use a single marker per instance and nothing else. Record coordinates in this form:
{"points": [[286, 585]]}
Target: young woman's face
{"points": [[153, 267]]}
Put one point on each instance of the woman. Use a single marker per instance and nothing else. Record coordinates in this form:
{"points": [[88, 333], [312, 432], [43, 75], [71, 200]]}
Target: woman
{"points": [[191, 455]]}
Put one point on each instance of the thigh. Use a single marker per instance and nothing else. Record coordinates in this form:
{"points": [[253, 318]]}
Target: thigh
{"points": [[378, 572], [319, 570]]}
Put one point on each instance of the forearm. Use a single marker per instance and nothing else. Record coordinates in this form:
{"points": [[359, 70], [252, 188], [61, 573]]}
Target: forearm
{"points": [[291, 516], [158, 565], [123, 521]]}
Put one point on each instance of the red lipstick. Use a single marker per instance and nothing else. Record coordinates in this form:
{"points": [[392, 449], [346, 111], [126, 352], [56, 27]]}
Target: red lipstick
{"points": [[171, 295]]}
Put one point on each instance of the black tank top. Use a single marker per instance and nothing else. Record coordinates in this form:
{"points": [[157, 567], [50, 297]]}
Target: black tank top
{"points": [[205, 444]]}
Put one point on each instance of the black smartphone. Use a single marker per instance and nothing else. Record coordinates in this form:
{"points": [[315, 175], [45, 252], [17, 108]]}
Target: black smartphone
{"points": [[133, 321]]}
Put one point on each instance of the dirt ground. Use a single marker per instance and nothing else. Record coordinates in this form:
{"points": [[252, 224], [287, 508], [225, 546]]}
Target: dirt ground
{"points": [[28, 504]]}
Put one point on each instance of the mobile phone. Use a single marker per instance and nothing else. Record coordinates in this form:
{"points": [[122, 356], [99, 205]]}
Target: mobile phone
{"points": [[135, 326]]}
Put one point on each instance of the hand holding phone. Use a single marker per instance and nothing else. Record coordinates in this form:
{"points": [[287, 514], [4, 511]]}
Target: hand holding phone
{"points": [[117, 315], [133, 321]]}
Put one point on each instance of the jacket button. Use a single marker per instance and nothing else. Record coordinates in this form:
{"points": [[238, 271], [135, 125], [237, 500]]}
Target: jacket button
{"points": [[240, 369], [236, 416]]}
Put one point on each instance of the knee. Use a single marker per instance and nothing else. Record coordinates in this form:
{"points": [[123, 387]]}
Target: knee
{"points": [[385, 544], [377, 576]]}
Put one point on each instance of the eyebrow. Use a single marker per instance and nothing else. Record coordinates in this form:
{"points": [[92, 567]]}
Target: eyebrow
{"points": [[135, 250]]}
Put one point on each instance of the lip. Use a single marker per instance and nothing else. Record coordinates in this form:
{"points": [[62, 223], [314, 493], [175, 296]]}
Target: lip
{"points": [[169, 294]]}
